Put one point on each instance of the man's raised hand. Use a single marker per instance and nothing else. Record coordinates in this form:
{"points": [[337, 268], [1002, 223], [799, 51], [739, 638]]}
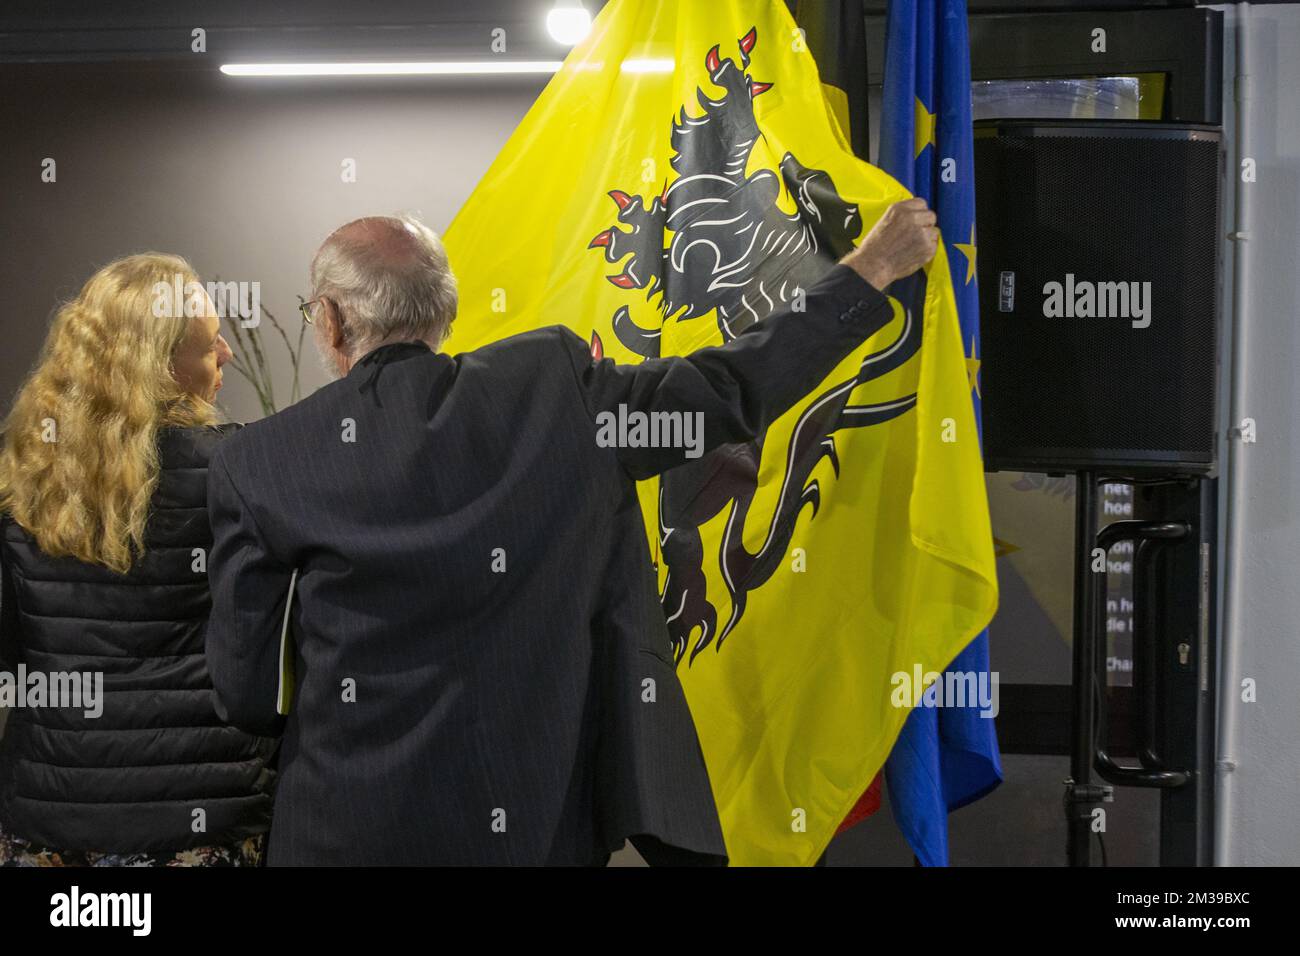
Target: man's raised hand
{"points": [[904, 239]]}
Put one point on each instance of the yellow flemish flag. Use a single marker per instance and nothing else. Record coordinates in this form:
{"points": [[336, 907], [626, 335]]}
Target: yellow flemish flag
{"points": [[680, 178]]}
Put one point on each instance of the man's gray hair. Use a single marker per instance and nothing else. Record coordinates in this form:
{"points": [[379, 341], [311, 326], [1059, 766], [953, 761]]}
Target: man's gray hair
{"points": [[390, 278]]}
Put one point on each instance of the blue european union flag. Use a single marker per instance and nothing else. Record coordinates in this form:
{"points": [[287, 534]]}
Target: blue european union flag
{"points": [[945, 757]]}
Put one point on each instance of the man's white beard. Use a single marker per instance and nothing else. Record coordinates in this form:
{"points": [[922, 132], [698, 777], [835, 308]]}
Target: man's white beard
{"points": [[328, 358]]}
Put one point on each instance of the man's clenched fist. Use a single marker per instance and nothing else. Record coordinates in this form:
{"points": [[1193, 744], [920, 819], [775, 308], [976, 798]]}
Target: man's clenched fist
{"points": [[904, 239]]}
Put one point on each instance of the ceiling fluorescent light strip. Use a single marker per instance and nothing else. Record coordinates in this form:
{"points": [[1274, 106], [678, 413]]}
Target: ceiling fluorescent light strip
{"points": [[433, 68]]}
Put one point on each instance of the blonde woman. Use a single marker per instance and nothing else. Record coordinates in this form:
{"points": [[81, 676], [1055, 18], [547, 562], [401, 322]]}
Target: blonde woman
{"points": [[104, 535]]}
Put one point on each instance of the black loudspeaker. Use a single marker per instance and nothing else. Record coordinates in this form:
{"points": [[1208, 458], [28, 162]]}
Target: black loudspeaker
{"points": [[1098, 269]]}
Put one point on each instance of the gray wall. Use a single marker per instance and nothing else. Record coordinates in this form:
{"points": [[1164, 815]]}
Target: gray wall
{"points": [[241, 176], [1258, 817]]}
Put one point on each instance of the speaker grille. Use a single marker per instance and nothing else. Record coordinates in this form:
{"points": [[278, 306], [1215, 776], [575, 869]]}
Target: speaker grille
{"points": [[1066, 392]]}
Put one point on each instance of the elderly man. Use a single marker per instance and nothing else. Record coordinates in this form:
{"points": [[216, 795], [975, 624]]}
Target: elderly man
{"points": [[439, 571]]}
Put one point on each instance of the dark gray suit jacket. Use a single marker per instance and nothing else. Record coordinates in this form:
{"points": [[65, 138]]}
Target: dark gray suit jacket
{"points": [[483, 670]]}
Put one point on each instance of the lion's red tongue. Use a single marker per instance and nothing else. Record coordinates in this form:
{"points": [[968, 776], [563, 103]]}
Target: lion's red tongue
{"points": [[622, 280]]}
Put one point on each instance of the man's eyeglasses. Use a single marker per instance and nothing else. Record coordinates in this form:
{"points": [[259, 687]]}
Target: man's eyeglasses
{"points": [[305, 309]]}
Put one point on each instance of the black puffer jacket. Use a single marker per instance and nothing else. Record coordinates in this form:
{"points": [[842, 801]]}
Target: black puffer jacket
{"points": [[133, 779]]}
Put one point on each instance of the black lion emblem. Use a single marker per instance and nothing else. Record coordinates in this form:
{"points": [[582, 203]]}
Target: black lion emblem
{"points": [[735, 254]]}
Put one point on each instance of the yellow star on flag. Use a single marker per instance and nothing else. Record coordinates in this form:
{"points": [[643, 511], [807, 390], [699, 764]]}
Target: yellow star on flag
{"points": [[924, 124], [967, 249], [973, 369]]}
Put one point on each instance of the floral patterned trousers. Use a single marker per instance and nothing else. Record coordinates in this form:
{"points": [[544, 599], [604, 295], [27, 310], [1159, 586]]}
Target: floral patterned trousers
{"points": [[15, 851]]}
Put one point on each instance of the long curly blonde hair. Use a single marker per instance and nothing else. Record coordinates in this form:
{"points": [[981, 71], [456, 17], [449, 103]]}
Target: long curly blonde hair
{"points": [[79, 462]]}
